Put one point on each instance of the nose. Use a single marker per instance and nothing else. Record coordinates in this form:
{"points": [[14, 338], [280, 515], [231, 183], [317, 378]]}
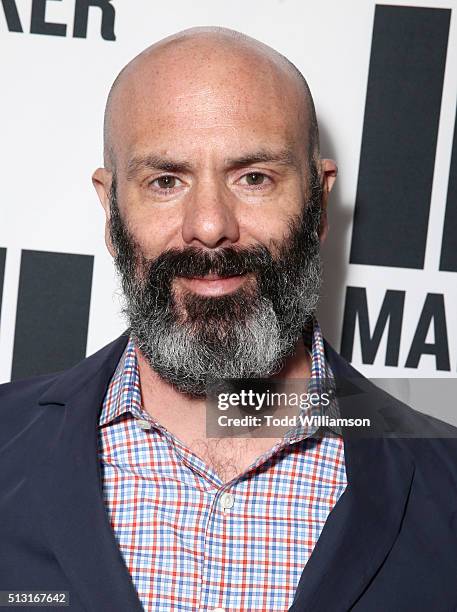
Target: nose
{"points": [[210, 217]]}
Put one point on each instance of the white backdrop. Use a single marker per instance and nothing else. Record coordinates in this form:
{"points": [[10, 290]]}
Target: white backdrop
{"points": [[52, 102]]}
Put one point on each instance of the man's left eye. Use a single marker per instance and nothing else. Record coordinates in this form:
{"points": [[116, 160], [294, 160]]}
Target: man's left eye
{"points": [[255, 179]]}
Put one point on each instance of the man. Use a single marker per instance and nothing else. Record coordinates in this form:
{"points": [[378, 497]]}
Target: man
{"points": [[215, 198]]}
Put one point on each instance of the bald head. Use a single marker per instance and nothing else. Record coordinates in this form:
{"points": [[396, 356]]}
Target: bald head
{"points": [[211, 59]]}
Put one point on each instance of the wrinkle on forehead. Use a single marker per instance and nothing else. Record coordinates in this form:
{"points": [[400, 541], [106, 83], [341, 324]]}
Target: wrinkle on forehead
{"points": [[207, 73]]}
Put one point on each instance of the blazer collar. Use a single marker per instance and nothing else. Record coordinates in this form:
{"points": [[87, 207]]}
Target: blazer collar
{"points": [[66, 486], [99, 366]]}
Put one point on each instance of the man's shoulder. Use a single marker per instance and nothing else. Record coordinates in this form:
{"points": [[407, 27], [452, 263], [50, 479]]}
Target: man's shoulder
{"points": [[429, 442], [398, 417], [20, 400], [26, 388]]}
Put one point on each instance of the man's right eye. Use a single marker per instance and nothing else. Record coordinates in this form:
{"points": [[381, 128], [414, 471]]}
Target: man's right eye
{"points": [[165, 182]]}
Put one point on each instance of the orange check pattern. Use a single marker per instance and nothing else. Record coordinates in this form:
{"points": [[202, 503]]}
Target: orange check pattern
{"points": [[194, 543]]}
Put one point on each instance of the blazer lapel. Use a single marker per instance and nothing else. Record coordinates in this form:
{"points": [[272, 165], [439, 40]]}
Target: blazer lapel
{"points": [[363, 526], [66, 486]]}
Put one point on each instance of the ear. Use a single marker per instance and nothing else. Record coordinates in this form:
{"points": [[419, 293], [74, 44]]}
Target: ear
{"points": [[328, 172], [101, 180]]}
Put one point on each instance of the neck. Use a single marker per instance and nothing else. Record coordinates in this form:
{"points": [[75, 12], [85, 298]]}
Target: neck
{"points": [[184, 416]]}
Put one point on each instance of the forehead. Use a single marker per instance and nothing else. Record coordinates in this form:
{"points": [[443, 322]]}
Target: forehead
{"points": [[205, 101]]}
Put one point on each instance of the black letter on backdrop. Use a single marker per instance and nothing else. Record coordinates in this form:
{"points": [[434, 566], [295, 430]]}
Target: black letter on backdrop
{"points": [[400, 129], [81, 16], [12, 16], [433, 309], [52, 312], [39, 25], [392, 309]]}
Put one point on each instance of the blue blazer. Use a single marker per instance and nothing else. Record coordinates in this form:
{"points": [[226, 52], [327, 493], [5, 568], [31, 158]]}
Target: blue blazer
{"points": [[389, 545]]}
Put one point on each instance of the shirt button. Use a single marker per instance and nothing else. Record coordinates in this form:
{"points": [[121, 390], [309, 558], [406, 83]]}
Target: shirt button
{"points": [[144, 424], [227, 501]]}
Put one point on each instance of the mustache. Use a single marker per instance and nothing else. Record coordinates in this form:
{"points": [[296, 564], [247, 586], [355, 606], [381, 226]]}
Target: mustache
{"points": [[196, 262]]}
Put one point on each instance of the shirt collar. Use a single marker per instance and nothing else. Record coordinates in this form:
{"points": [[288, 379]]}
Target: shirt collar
{"points": [[124, 391]]}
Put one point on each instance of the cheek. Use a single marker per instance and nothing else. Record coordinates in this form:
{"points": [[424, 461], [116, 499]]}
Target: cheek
{"points": [[155, 232], [270, 222], [155, 228]]}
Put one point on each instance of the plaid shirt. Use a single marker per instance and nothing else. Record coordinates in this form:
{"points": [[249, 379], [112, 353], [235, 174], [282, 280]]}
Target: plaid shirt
{"points": [[192, 542]]}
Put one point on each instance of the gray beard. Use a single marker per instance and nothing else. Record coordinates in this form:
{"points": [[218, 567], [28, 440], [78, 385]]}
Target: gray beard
{"points": [[255, 348], [247, 334]]}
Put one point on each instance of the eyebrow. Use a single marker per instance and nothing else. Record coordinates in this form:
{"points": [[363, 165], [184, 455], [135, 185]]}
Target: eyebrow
{"points": [[155, 162], [284, 157]]}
